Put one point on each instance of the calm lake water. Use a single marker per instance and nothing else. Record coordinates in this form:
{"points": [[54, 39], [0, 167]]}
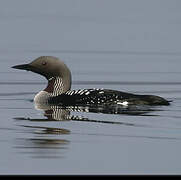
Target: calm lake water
{"points": [[131, 46]]}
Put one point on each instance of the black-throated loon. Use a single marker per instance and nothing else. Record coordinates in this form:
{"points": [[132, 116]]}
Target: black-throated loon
{"points": [[59, 84]]}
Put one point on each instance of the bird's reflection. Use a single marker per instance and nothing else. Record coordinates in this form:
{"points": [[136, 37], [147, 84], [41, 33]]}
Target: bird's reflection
{"points": [[51, 142], [63, 113], [43, 144], [53, 112]]}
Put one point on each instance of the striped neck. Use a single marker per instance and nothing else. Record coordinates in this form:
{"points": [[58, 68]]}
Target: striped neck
{"points": [[55, 86]]}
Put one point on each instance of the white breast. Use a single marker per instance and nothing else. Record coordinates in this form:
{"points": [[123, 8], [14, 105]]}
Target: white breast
{"points": [[42, 97]]}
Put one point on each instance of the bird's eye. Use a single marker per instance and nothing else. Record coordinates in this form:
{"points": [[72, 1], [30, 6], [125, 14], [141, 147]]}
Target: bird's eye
{"points": [[44, 63]]}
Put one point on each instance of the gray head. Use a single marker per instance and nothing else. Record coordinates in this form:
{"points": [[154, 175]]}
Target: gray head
{"points": [[51, 68]]}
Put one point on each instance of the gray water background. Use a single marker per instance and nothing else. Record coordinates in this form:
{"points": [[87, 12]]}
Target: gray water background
{"points": [[127, 45]]}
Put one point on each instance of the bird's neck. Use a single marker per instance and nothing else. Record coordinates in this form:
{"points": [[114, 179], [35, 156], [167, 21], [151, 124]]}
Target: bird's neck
{"points": [[55, 87]]}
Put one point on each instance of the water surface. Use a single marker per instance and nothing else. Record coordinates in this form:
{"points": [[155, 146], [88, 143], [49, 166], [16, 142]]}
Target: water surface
{"points": [[127, 48]]}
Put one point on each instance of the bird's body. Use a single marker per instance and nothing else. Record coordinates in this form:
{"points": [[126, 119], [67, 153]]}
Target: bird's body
{"points": [[59, 84]]}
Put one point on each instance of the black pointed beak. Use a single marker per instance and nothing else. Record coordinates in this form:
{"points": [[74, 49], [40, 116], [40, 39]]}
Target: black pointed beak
{"points": [[27, 67], [31, 68]]}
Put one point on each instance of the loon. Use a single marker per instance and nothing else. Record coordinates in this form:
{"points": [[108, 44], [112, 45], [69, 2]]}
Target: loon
{"points": [[58, 90]]}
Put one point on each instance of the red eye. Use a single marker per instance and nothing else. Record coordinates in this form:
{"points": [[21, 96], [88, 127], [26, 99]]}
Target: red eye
{"points": [[44, 63]]}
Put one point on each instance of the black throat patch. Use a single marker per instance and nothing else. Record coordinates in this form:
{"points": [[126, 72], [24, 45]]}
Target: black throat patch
{"points": [[50, 86]]}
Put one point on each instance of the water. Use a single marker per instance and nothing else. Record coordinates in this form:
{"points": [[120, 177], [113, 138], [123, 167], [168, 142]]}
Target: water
{"points": [[106, 44]]}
